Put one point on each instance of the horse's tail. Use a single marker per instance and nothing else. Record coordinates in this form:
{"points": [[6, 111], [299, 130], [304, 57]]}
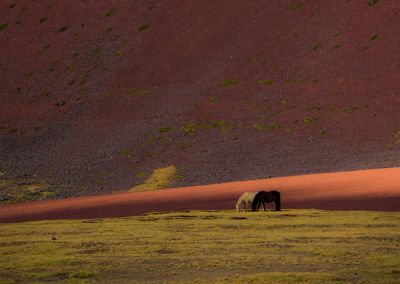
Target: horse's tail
{"points": [[278, 201]]}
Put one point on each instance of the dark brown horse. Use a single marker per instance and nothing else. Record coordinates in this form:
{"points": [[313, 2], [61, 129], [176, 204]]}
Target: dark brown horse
{"points": [[263, 197]]}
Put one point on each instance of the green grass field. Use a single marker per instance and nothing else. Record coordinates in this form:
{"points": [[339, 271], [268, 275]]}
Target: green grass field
{"points": [[292, 246]]}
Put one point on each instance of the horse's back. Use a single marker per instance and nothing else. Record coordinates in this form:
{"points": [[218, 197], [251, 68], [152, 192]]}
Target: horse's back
{"points": [[250, 195], [269, 196]]}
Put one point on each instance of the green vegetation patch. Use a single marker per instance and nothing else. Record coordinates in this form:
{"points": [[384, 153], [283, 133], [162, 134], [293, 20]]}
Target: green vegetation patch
{"points": [[127, 152], [118, 52], [297, 6], [394, 140], [164, 129], [139, 91], [230, 82], [291, 246], [213, 100], [258, 126], [288, 130], [109, 13], [3, 26], [144, 27], [63, 29], [160, 178], [272, 126], [70, 67], [60, 103], [308, 120], [338, 34], [372, 2], [222, 126], [317, 46], [349, 110], [310, 108], [19, 190], [267, 82], [141, 174], [374, 37], [152, 7], [189, 128]]}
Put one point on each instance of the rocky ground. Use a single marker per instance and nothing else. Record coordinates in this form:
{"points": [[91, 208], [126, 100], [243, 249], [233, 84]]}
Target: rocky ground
{"points": [[95, 96]]}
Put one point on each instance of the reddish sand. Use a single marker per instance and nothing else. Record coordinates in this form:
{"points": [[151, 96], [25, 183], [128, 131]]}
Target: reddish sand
{"points": [[356, 190]]}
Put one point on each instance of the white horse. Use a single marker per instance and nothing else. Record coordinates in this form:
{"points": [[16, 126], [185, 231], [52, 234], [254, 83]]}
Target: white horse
{"points": [[245, 201]]}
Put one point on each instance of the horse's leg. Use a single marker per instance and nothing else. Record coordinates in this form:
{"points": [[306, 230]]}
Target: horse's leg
{"points": [[243, 206], [246, 205], [255, 205], [278, 203], [261, 203]]}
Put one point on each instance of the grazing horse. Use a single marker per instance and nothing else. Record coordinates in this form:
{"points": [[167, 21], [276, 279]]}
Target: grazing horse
{"points": [[263, 197], [245, 201]]}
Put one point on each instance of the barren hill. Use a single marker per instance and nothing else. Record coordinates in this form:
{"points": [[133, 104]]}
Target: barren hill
{"points": [[95, 95]]}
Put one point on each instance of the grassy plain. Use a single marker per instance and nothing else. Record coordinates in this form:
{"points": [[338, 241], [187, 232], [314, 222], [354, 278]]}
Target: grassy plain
{"points": [[292, 246]]}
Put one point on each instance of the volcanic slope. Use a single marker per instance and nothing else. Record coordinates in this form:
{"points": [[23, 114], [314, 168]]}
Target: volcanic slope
{"points": [[95, 95]]}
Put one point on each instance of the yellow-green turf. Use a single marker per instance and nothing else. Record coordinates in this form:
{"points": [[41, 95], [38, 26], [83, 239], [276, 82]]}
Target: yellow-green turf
{"points": [[292, 246], [160, 178]]}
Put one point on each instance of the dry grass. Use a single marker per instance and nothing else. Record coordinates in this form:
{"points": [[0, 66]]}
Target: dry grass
{"points": [[292, 246], [160, 178]]}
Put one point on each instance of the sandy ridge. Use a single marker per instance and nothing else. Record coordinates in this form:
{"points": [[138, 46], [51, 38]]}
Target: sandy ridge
{"points": [[377, 189]]}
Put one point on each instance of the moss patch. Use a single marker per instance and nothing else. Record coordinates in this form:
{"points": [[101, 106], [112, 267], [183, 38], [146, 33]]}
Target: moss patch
{"points": [[144, 27], [230, 82], [297, 6], [258, 126], [373, 37], [160, 178], [308, 120], [213, 100], [189, 128], [372, 2], [317, 46], [266, 82], [394, 140], [19, 190], [164, 129]]}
